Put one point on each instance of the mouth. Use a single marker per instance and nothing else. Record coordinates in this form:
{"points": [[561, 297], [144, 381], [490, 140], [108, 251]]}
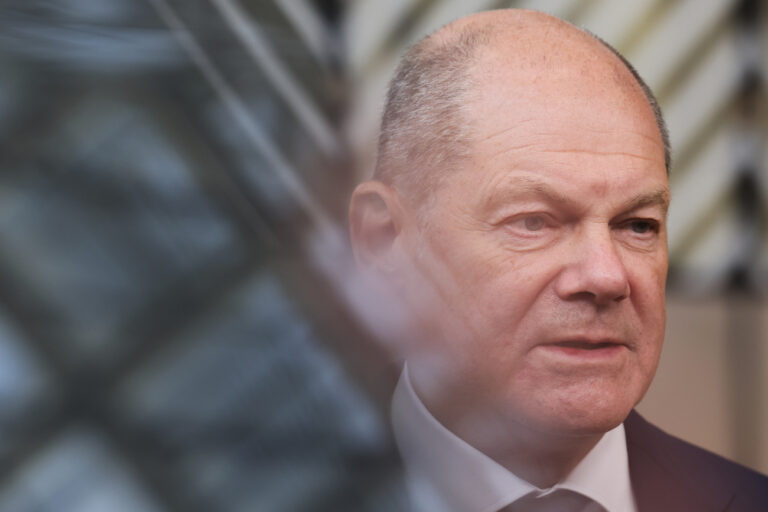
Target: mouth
{"points": [[587, 345], [586, 349]]}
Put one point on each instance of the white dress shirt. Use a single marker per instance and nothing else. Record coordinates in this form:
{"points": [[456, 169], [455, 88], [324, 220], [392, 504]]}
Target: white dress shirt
{"points": [[446, 474]]}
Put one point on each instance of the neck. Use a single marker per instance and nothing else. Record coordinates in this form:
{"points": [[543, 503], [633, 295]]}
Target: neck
{"points": [[540, 458]]}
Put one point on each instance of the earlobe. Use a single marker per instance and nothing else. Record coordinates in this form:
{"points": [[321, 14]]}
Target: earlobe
{"points": [[374, 224]]}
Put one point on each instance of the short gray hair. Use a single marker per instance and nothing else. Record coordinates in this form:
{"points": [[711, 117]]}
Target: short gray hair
{"points": [[423, 126]]}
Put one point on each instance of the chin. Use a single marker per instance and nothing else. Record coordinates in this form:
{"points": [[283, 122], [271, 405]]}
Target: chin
{"points": [[596, 422], [582, 415]]}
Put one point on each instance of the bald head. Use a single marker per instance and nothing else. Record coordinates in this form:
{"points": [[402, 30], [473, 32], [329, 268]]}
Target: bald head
{"points": [[434, 99]]}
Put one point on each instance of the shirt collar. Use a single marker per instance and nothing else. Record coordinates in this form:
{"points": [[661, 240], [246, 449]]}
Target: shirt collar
{"points": [[446, 473]]}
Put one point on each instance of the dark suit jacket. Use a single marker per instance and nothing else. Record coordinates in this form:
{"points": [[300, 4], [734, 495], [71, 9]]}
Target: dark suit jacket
{"points": [[671, 475]]}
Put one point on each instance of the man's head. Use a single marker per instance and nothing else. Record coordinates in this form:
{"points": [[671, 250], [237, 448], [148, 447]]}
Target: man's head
{"points": [[534, 273]]}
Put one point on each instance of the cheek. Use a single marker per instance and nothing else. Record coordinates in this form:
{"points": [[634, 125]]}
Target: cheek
{"points": [[468, 256], [649, 302], [505, 315], [648, 283], [519, 287], [463, 268], [478, 294]]}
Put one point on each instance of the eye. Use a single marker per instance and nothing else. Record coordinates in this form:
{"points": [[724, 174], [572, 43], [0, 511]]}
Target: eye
{"points": [[640, 231], [529, 223], [529, 231], [534, 222], [642, 227]]}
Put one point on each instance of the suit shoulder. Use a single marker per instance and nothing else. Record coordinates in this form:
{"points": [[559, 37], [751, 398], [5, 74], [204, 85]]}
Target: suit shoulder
{"points": [[700, 468]]}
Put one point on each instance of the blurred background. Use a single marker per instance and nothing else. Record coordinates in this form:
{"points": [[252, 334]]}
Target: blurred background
{"points": [[175, 329]]}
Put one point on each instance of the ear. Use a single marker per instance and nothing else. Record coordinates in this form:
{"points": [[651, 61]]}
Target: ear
{"points": [[375, 222]]}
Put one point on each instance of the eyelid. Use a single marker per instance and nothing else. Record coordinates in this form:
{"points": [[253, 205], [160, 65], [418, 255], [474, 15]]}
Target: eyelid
{"points": [[546, 217], [639, 217], [655, 223], [646, 212]]}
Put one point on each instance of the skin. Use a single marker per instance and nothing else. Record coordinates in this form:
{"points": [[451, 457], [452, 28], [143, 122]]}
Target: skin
{"points": [[535, 278]]}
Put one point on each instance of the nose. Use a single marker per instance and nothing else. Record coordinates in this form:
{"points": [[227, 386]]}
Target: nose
{"points": [[594, 270]]}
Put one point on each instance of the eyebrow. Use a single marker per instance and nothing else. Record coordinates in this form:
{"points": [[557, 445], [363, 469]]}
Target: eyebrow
{"points": [[524, 187], [658, 197]]}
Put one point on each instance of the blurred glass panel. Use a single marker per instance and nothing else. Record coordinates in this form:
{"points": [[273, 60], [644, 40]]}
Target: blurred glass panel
{"points": [[77, 473], [260, 416], [89, 36], [25, 388], [22, 378], [102, 214]]}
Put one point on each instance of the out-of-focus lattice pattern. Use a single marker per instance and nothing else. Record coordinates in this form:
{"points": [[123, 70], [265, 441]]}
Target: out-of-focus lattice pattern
{"points": [[163, 340], [166, 341]]}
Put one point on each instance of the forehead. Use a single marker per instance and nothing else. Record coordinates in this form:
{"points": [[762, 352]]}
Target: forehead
{"points": [[579, 118], [579, 134]]}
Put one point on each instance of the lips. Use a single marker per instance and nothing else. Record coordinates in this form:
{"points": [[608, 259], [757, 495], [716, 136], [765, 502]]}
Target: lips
{"points": [[587, 350], [587, 345]]}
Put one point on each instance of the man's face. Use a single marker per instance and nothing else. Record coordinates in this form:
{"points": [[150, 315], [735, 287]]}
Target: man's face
{"points": [[541, 264]]}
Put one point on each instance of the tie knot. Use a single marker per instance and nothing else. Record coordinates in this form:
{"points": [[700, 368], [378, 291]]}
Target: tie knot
{"points": [[560, 500]]}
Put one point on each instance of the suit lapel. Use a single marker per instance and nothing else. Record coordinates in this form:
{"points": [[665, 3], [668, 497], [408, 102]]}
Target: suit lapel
{"points": [[660, 483]]}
